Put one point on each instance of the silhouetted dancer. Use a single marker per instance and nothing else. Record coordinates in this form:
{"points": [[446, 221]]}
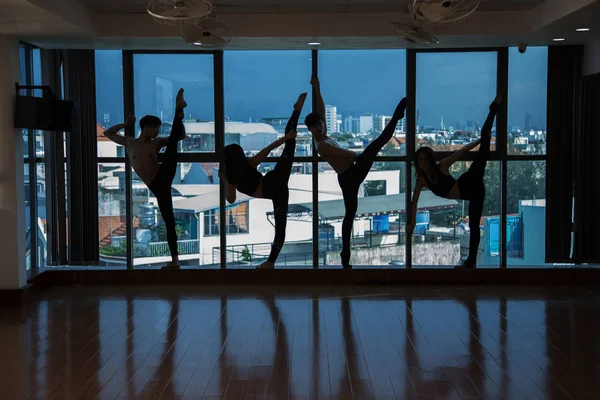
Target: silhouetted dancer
{"points": [[143, 155], [436, 177], [240, 172], [352, 168]]}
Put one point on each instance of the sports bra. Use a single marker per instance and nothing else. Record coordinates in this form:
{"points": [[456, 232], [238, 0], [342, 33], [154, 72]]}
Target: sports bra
{"points": [[443, 186], [249, 181]]}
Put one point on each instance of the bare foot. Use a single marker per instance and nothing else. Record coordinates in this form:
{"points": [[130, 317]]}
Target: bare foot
{"points": [[172, 266], [465, 265], [300, 102], [400, 108], [266, 265], [180, 101]]}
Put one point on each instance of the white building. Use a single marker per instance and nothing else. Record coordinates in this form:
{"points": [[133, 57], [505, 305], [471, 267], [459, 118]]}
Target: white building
{"points": [[331, 118], [366, 123], [381, 121], [351, 125]]}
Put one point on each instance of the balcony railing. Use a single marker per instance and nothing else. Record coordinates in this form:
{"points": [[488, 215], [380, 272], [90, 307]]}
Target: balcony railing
{"points": [[184, 247], [300, 252]]}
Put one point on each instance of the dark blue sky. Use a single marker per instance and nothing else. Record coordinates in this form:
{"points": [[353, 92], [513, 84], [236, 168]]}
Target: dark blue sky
{"points": [[457, 86]]}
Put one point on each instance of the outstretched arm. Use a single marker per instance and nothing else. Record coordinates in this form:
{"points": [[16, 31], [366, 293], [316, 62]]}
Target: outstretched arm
{"points": [[314, 81], [410, 227], [447, 162], [113, 132], [258, 158], [230, 194]]}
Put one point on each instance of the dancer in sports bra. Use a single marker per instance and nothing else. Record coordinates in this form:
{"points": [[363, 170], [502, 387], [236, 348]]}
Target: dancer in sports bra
{"points": [[469, 186], [240, 173], [352, 168], [143, 155]]}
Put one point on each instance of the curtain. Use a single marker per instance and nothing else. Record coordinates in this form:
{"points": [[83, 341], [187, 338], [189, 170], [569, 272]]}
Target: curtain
{"points": [[80, 87], [54, 172], [564, 72], [587, 184]]}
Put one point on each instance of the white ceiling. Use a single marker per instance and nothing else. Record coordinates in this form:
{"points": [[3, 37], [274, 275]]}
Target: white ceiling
{"points": [[287, 24]]}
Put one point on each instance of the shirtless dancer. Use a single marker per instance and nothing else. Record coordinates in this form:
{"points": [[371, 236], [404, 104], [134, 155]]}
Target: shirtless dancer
{"points": [[352, 168], [143, 155]]}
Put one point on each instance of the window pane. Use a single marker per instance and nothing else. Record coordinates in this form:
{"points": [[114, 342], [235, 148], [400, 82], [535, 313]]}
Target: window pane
{"points": [[109, 99], [377, 233], [442, 233], [112, 222], [261, 88], [527, 95], [249, 249], [23, 65], [38, 226], [37, 67], [41, 224], [526, 213], [194, 193], [158, 77], [25, 137], [28, 225], [454, 91], [361, 89]]}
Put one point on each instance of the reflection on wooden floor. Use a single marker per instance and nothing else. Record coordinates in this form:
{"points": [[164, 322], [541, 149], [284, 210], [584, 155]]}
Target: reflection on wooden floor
{"points": [[282, 343]]}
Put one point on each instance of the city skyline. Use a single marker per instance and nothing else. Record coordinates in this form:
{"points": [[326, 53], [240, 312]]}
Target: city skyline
{"points": [[264, 84]]}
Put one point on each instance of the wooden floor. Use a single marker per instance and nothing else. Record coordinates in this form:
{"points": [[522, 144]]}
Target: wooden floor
{"points": [[173, 342]]}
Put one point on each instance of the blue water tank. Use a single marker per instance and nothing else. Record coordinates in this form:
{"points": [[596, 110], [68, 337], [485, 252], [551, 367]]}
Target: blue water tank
{"points": [[147, 215], [381, 223], [422, 222]]}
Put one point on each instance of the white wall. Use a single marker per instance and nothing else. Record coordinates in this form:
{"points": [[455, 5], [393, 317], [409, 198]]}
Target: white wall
{"points": [[591, 58], [13, 274], [261, 231], [534, 240], [106, 149]]}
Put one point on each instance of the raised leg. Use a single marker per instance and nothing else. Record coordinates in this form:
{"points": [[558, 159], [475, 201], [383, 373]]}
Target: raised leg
{"points": [[365, 160], [479, 164]]}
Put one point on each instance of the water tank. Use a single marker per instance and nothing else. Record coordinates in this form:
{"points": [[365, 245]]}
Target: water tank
{"points": [[422, 222], [381, 223], [143, 235], [147, 215]]}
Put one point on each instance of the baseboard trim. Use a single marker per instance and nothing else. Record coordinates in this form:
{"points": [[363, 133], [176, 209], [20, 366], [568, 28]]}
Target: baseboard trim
{"points": [[14, 297], [370, 276]]}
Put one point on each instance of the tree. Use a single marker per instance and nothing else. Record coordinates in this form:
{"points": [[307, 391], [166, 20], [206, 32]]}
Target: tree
{"points": [[525, 181]]}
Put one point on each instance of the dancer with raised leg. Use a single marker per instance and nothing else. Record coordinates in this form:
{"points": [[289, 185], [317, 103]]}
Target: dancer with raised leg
{"points": [[240, 173], [469, 186], [352, 168], [143, 155]]}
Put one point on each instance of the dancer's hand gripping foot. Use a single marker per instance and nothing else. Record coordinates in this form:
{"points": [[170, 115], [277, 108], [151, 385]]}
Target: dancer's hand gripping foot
{"points": [[180, 104]]}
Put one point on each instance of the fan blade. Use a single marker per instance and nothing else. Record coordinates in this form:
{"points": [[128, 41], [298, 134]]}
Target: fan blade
{"points": [[444, 11], [210, 40], [179, 10], [208, 33]]}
